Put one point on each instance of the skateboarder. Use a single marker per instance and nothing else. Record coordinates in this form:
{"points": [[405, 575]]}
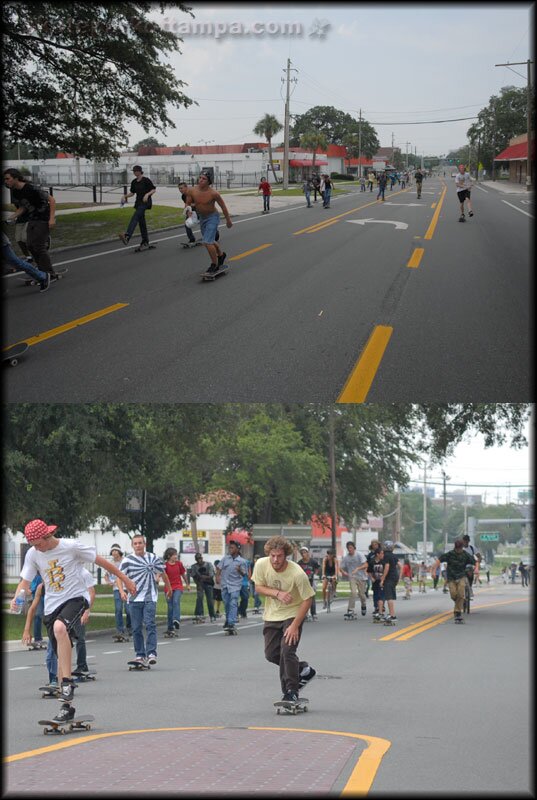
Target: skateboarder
{"points": [[418, 177], [119, 605], [203, 197], [39, 209], [265, 188], [10, 257], [145, 569], [231, 570], [60, 563], [463, 185], [289, 596], [143, 188], [457, 561]]}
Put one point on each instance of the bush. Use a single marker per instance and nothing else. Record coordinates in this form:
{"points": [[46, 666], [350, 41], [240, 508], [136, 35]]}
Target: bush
{"points": [[336, 176]]}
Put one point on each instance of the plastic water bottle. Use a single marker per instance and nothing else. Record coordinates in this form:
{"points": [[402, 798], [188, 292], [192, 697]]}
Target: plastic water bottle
{"points": [[122, 201], [20, 601]]}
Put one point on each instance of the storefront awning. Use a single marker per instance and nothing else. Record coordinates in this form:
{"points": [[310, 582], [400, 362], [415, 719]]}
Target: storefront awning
{"points": [[296, 162], [516, 152]]}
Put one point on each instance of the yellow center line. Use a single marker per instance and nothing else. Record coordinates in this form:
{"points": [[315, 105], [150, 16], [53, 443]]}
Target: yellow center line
{"points": [[416, 257], [360, 380], [432, 226], [249, 252], [70, 325], [431, 622]]}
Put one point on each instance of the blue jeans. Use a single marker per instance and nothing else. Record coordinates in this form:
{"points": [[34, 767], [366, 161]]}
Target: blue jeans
{"points": [[231, 604], [257, 599], [381, 192], [174, 607], [38, 619], [191, 237], [266, 202], [79, 631], [209, 227], [52, 663], [308, 201], [203, 589], [119, 605], [138, 218], [11, 257], [326, 198], [144, 613]]}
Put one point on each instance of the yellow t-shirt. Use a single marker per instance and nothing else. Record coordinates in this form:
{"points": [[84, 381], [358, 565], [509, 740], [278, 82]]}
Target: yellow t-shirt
{"points": [[293, 579]]}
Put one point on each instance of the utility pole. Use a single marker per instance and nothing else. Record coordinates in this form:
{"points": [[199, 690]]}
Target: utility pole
{"points": [[332, 448], [360, 145], [397, 537], [406, 147], [286, 126], [528, 115], [393, 152], [425, 513], [444, 517], [493, 139]]}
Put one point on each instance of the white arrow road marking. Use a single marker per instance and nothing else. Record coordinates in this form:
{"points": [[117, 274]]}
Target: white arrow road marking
{"points": [[400, 226]]}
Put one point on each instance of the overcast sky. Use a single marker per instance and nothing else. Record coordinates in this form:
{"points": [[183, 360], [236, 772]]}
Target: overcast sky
{"points": [[399, 63], [476, 465]]}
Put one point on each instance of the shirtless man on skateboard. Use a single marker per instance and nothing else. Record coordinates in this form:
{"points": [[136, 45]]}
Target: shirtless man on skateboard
{"points": [[204, 197]]}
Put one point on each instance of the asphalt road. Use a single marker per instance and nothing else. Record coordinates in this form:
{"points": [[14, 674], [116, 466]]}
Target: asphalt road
{"points": [[305, 313], [445, 710]]}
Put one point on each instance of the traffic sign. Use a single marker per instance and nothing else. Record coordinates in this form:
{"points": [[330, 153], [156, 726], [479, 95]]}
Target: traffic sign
{"points": [[490, 537]]}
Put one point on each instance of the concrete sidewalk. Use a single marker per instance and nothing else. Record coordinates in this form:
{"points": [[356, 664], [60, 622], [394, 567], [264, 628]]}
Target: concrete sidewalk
{"points": [[507, 187]]}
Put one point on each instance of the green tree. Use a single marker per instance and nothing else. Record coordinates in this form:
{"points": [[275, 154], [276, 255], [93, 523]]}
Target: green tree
{"points": [[313, 140], [80, 73], [149, 141], [504, 118], [337, 126], [268, 127]]}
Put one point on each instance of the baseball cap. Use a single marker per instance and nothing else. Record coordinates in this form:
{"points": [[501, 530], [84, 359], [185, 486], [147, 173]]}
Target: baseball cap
{"points": [[304, 549], [37, 529], [388, 545], [116, 549]]}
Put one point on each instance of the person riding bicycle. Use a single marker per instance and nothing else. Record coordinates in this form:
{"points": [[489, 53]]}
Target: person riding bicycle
{"points": [[329, 571], [470, 549], [457, 560]]}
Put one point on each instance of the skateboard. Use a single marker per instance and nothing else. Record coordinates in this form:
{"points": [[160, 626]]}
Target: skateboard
{"points": [[49, 691], [137, 667], [58, 275], [388, 622], [211, 276], [83, 677], [139, 250], [459, 620], [256, 611], [171, 635], [11, 355], [188, 245], [376, 620], [288, 707], [198, 620], [75, 724], [231, 632], [37, 646], [350, 615], [121, 637]]}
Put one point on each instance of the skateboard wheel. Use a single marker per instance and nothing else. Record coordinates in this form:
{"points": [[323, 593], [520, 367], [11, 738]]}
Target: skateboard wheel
{"points": [[278, 711]]}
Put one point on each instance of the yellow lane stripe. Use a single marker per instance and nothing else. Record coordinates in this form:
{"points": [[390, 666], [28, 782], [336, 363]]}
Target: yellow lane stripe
{"points": [[249, 252], [431, 622], [432, 226], [364, 772], [69, 325], [360, 380], [416, 257], [324, 223]]}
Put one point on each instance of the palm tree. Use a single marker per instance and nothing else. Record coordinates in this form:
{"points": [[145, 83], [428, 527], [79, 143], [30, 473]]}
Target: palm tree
{"points": [[314, 140], [268, 127]]}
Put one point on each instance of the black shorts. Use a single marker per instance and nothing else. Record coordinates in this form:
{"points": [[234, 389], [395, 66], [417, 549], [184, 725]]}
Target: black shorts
{"points": [[463, 195], [69, 613], [389, 590], [217, 594]]}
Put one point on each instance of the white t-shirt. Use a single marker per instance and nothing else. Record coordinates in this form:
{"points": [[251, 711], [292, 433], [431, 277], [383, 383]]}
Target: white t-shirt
{"points": [[90, 581], [62, 571], [463, 181]]}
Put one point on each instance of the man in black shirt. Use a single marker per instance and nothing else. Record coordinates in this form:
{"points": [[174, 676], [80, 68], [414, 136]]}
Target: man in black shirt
{"points": [[38, 208], [144, 189], [311, 567], [390, 577], [458, 560]]}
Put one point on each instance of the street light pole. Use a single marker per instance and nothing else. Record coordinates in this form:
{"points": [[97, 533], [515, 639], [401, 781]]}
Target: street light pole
{"points": [[360, 145], [332, 448]]}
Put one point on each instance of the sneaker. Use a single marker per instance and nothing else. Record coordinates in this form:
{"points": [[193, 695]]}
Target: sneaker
{"points": [[67, 691], [307, 677], [393, 618], [462, 218], [144, 246], [470, 213], [66, 713], [364, 611], [176, 625], [151, 658], [213, 268], [226, 625], [213, 619], [221, 259], [314, 617], [291, 697], [124, 238], [46, 283], [324, 605]]}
